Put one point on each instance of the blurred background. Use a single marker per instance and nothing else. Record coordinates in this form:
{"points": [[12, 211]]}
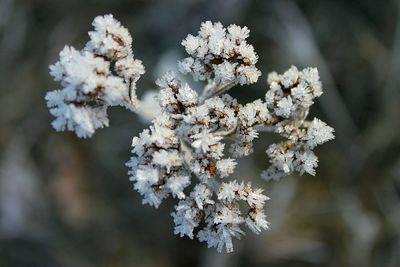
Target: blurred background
{"points": [[68, 202]]}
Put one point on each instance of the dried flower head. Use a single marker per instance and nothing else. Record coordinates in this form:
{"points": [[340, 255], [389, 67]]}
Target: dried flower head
{"points": [[182, 154], [101, 75], [221, 56]]}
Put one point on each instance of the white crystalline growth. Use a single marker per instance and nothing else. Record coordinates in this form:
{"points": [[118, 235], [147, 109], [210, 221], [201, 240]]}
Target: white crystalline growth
{"points": [[318, 133], [221, 54], [290, 96], [199, 128], [194, 130], [182, 153], [188, 212], [109, 38], [293, 91], [101, 75], [83, 120], [157, 167], [224, 219]]}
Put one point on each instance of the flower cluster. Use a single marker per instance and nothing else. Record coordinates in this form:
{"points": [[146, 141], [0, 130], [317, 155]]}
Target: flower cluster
{"points": [[289, 98], [221, 56], [101, 75], [157, 169], [182, 154], [187, 140], [223, 216]]}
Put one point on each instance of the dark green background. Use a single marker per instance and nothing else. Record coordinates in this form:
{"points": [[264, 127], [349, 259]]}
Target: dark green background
{"points": [[68, 202]]}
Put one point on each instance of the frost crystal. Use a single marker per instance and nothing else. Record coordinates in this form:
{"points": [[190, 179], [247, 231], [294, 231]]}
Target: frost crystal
{"points": [[182, 154], [101, 75], [221, 56]]}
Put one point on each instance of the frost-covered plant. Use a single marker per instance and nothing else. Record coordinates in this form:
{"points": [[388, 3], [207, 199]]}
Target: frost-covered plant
{"points": [[101, 75], [182, 154]]}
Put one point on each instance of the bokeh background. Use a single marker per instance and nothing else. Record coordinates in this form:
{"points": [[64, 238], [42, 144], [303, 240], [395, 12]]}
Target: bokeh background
{"points": [[68, 202]]}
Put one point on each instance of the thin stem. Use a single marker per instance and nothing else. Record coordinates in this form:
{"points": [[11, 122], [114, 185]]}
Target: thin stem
{"points": [[212, 89]]}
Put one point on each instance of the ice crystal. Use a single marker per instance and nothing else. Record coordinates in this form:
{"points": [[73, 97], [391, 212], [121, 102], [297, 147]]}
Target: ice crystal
{"points": [[101, 75], [183, 153], [221, 56]]}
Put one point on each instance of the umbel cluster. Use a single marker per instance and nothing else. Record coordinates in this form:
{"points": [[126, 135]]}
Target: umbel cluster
{"points": [[190, 150]]}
